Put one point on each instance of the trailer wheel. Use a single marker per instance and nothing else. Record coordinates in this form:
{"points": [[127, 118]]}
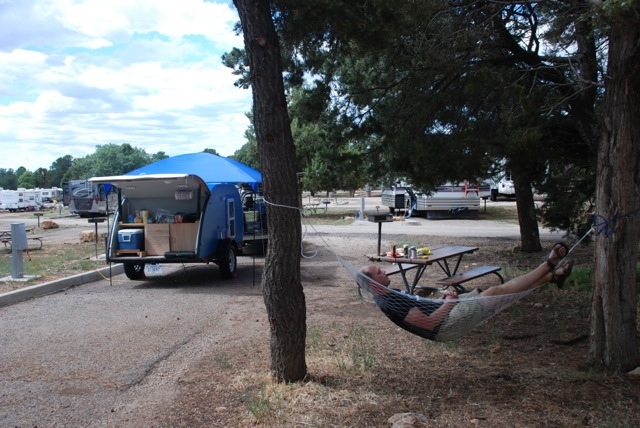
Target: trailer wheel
{"points": [[494, 195], [229, 263], [134, 271]]}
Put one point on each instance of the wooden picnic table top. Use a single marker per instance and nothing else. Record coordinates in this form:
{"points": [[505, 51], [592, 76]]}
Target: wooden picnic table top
{"points": [[441, 255], [437, 253]]}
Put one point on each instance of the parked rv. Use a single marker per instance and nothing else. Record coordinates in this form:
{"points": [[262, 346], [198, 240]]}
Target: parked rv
{"points": [[48, 196], [167, 216], [19, 200], [87, 199], [397, 198], [450, 200]]}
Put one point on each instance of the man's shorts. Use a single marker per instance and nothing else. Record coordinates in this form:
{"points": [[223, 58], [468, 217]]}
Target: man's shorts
{"points": [[466, 315]]}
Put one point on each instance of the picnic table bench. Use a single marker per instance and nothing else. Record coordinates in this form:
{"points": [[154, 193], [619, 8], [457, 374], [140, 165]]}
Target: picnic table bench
{"points": [[6, 240], [311, 208], [457, 280]]}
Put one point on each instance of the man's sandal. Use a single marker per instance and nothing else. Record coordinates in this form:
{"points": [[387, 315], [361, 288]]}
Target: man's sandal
{"points": [[558, 279], [552, 261]]}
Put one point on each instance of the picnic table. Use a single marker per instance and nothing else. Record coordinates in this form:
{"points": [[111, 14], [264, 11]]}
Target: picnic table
{"points": [[5, 238], [447, 257], [311, 207]]}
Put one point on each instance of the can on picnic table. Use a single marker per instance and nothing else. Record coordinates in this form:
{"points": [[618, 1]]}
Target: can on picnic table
{"points": [[405, 251], [413, 253]]}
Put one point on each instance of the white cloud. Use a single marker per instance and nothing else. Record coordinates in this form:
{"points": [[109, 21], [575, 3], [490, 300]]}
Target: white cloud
{"points": [[76, 74]]}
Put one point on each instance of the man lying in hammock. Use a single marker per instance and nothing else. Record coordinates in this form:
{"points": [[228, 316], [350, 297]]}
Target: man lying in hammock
{"points": [[451, 316]]}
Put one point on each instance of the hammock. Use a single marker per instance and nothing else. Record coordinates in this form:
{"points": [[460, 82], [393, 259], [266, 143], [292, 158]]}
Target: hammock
{"points": [[437, 319]]}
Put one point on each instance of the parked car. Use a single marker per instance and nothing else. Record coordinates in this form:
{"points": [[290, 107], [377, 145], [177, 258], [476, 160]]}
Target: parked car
{"points": [[503, 188]]}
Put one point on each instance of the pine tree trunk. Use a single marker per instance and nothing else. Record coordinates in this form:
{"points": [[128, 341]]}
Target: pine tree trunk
{"points": [[613, 340], [527, 220], [282, 288]]}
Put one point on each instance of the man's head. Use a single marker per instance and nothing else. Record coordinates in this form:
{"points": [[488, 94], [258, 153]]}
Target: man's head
{"points": [[377, 274]]}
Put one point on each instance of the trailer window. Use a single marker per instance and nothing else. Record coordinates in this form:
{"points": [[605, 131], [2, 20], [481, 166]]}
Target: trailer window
{"points": [[231, 217]]}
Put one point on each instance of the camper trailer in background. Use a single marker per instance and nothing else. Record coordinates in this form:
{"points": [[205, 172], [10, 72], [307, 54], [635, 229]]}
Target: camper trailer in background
{"points": [[397, 198], [12, 200], [87, 199], [450, 200], [47, 198], [19, 200]]}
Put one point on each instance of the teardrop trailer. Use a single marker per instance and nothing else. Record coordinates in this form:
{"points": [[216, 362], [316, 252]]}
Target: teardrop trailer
{"points": [[164, 218]]}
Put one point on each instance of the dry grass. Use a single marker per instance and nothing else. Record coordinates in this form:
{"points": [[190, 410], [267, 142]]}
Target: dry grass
{"points": [[525, 367], [53, 261]]}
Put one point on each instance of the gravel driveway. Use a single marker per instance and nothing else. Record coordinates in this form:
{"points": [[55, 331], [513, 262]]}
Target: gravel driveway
{"points": [[99, 354]]}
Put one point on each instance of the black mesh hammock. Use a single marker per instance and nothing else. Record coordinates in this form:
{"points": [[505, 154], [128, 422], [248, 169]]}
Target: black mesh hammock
{"points": [[449, 320]]}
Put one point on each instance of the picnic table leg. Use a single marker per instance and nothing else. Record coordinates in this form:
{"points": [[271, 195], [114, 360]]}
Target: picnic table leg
{"points": [[419, 273], [411, 286], [444, 265]]}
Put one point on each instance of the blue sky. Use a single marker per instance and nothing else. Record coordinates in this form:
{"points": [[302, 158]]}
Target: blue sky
{"points": [[75, 74]]}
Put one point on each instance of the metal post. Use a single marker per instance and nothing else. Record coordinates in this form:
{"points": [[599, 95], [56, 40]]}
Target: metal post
{"points": [[18, 244], [95, 222]]}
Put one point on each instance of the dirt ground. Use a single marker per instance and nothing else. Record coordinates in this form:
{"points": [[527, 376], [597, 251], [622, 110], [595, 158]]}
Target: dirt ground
{"points": [[525, 367]]}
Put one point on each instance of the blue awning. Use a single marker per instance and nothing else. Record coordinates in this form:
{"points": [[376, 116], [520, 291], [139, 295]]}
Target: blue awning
{"points": [[210, 168]]}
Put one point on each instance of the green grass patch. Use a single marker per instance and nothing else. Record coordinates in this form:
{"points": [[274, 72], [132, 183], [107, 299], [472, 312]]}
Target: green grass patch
{"points": [[55, 261], [508, 214], [331, 218]]}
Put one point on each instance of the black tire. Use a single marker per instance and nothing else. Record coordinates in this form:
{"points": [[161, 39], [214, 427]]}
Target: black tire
{"points": [[229, 262], [134, 271], [494, 195]]}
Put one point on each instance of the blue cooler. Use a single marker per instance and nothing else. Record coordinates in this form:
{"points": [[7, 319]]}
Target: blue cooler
{"points": [[131, 239]]}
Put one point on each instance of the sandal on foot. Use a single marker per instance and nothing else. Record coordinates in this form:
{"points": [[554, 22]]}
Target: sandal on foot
{"points": [[558, 279], [551, 260]]}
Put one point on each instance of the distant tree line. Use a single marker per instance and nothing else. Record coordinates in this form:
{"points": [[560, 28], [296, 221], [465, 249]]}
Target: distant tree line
{"points": [[108, 159]]}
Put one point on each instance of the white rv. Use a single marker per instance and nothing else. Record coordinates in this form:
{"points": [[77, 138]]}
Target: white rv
{"points": [[12, 200], [450, 200]]}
